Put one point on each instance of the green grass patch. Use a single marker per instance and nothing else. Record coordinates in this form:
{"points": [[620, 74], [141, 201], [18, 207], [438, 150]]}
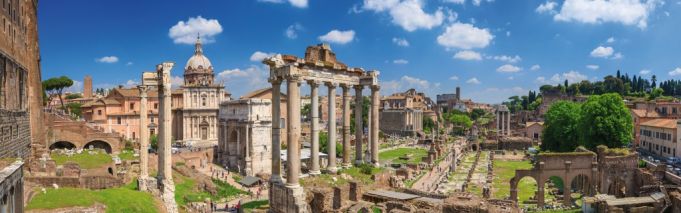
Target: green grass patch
{"points": [[186, 190], [127, 155], [504, 171], [258, 204], [121, 199], [84, 159], [394, 155], [357, 174]]}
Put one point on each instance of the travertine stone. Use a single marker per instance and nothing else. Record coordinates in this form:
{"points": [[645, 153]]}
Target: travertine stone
{"points": [[293, 134], [375, 100], [346, 126], [332, 128], [144, 139], [359, 131], [276, 131], [314, 93]]}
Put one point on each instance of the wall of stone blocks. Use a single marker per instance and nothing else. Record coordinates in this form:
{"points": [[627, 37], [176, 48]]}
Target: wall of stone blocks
{"points": [[15, 134]]}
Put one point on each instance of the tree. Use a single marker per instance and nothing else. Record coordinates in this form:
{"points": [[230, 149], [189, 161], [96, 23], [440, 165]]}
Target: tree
{"points": [[561, 122], [461, 122], [606, 121], [366, 103], [153, 142], [74, 108], [656, 93], [477, 113], [324, 144], [73, 96], [56, 86], [428, 124], [306, 111]]}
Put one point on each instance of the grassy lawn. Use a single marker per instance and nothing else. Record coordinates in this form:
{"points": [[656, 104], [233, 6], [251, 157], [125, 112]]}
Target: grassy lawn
{"points": [[123, 199], [127, 155], [356, 174], [504, 171], [186, 191], [84, 159], [258, 204], [393, 155]]}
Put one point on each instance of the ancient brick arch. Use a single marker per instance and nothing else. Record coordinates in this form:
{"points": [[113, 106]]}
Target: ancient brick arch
{"points": [[65, 132], [566, 166]]}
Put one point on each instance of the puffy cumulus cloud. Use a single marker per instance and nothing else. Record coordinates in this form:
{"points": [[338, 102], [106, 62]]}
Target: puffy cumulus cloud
{"points": [[626, 12], [185, 32], [572, 77], [644, 72], [602, 52], [401, 42], [240, 81], [508, 68], [505, 58], [675, 72], [592, 66], [291, 32], [464, 36], [473, 81], [176, 82], [258, 56], [107, 59], [547, 7], [77, 87], [468, 55], [535, 67], [407, 82], [295, 3], [610, 40], [338, 37], [408, 14], [400, 61], [454, 78]]}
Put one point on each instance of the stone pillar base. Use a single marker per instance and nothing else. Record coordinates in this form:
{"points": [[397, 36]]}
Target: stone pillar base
{"points": [[287, 199], [168, 196], [332, 170], [147, 184], [315, 173]]}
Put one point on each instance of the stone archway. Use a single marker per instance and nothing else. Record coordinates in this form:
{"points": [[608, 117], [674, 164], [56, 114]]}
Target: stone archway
{"points": [[526, 179], [99, 144], [581, 184], [617, 187], [62, 145]]}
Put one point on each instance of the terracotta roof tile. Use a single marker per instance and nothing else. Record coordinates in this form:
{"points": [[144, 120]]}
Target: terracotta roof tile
{"points": [[661, 123]]}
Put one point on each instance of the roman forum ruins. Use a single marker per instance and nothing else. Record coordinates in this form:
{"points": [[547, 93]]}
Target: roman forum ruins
{"points": [[163, 184], [319, 67]]}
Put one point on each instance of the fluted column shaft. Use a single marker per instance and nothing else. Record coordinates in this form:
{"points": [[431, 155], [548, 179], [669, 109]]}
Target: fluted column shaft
{"points": [[293, 131], [276, 131], [375, 100], [332, 128], [359, 130], [346, 126], [314, 93]]}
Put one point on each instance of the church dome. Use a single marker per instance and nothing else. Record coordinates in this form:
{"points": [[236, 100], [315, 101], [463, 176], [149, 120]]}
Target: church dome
{"points": [[198, 62]]}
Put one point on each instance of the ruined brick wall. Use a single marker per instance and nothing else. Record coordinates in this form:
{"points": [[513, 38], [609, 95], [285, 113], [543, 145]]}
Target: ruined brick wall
{"points": [[15, 135]]}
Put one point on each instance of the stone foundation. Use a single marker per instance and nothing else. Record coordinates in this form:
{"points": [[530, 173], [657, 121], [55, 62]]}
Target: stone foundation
{"points": [[168, 195], [287, 199]]}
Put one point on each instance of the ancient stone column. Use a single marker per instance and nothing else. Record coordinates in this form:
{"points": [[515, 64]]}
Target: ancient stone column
{"points": [[375, 102], [164, 167], [144, 140], [508, 123], [293, 130], [332, 128], [247, 145], [346, 125], [314, 93], [276, 131], [498, 124], [502, 123], [359, 131]]}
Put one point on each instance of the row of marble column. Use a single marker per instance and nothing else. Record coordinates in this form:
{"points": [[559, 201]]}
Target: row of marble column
{"points": [[504, 127], [294, 131]]}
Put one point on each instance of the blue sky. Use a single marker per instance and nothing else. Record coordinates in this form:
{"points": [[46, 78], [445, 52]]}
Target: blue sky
{"points": [[492, 49]]}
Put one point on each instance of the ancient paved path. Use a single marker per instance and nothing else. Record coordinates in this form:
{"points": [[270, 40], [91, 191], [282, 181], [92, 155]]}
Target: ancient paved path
{"points": [[430, 180]]}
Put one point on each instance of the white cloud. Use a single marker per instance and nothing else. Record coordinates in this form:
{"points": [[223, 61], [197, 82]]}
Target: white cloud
{"points": [[132, 83], [240, 81], [627, 12], [258, 56], [338, 37], [473, 81], [295, 3], [107, 59], [455, 1], [407, 14], [535, 67], [176, 82], [507, 59], [407, 82], [644, 72], [610, 40], [675, 72], [464, 36], [548, 7], [291, 32], [572, 77], [77, 87], [454, 78], [186, 32], [468, 55], [617, 56], [129, 63], [508, 68], [401, 42], [592, 66], [400, 61], [602, 52]]}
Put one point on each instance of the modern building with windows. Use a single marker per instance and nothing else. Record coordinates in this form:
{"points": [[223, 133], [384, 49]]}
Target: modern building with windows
{"points": [[659, 136]]}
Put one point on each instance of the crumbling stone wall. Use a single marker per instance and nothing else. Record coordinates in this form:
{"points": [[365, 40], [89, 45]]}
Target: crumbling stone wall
{"points": [[15, 134]]}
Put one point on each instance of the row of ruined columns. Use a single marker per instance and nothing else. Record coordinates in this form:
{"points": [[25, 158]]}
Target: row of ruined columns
{"points": [[294, 130], [504, 127]]}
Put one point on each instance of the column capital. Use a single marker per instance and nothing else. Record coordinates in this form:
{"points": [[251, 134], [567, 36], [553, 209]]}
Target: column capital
{"points": [[375, 87], [330, 84], [345, 86], [274, 80], [296, 78], [313, 83], [143, 90], [358, 87]]}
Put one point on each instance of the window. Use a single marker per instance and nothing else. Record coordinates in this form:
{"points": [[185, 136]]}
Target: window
{"points": [[99, 112], [203, 101], [152, 119], [155, 105], [118, 120], [133, 135], [132, 106]]}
